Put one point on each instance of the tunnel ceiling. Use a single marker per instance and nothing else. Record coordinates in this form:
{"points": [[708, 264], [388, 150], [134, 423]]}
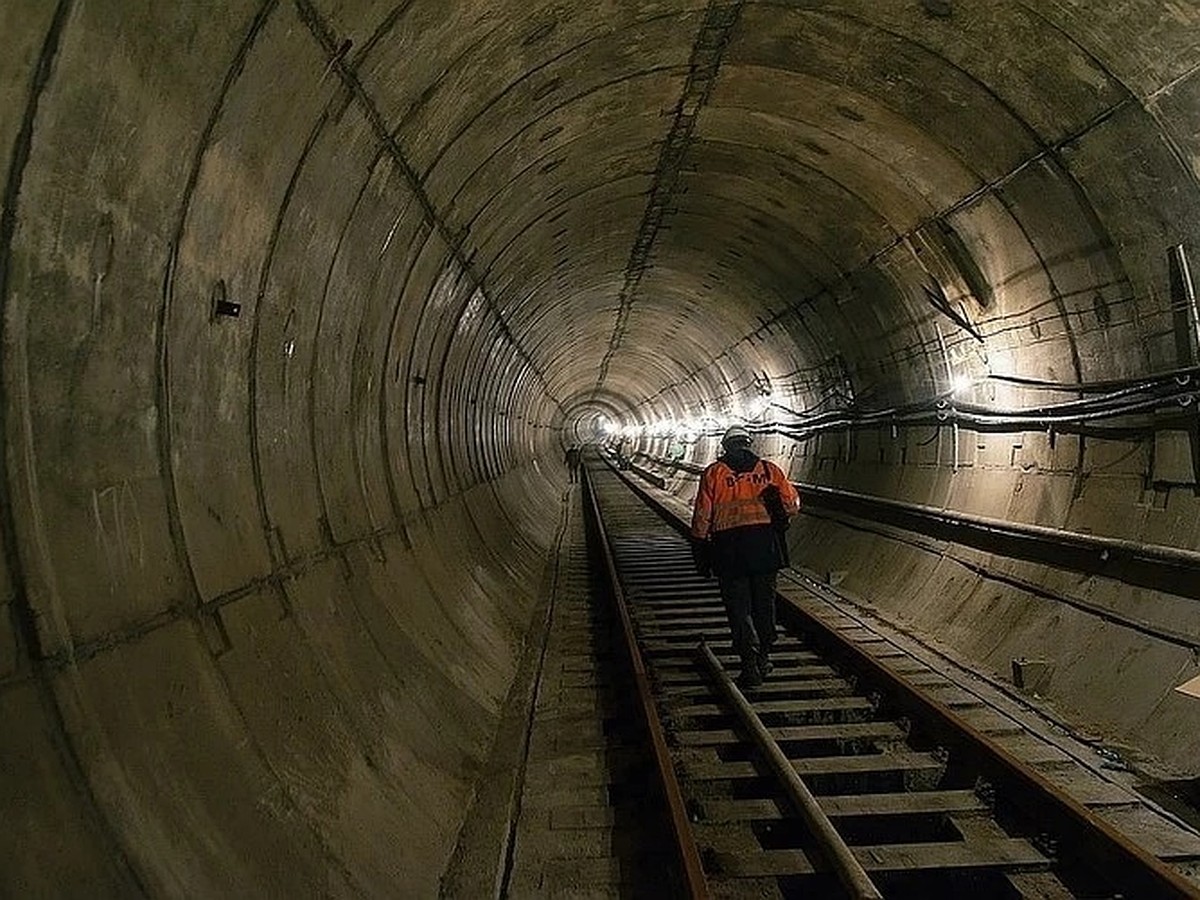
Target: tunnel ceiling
{"points": [[640, 187], [668, 198]]}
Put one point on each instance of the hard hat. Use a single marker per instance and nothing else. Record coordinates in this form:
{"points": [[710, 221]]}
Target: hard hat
{"points": [[735, 434]]}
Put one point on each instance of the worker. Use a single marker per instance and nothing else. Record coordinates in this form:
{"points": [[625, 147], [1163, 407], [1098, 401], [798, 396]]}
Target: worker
{"points": [[573, 459], [739, 525], [622, 456]]}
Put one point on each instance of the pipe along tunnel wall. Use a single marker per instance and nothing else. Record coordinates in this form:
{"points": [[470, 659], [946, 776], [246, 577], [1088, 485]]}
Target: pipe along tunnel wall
{"points": [[301, 299]]}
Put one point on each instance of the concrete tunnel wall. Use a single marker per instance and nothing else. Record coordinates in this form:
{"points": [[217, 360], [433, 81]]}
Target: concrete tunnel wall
{"points": [[269, 577]]}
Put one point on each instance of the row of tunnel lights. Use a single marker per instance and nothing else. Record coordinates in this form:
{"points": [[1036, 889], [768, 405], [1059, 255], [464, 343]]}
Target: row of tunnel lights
{"points": [[758, 412]]}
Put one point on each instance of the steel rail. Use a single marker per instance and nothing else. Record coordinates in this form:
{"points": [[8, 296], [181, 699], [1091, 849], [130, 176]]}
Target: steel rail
{"points": [[1085, 836], [836, 851], [1102, 549], [691, 867], [1092, 841]]}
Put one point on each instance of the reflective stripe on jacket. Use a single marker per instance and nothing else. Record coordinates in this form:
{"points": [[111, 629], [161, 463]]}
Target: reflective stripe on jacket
{"points": [[727, 499]]}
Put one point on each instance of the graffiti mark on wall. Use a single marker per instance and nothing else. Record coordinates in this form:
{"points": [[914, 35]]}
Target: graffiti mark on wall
{"points": [[118, 531]]}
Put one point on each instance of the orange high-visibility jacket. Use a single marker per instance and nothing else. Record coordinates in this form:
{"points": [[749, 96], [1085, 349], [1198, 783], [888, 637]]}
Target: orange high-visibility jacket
{"points": [[730, 500]]}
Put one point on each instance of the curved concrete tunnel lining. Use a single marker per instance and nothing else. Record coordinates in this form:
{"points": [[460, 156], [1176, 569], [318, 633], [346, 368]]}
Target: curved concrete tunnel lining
{"points": [[440, 385]]}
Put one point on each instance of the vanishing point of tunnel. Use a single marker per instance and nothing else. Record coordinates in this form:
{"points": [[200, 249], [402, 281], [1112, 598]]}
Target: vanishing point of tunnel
{"points": [[303, 299]]}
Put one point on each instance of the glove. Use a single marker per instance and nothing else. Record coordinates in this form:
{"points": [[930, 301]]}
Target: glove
{"points": [[702, 558], [774, 504]]}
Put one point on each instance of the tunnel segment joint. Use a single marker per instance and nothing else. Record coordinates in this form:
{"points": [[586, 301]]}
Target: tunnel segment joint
{"points": [[708, 48], [455, 239]]}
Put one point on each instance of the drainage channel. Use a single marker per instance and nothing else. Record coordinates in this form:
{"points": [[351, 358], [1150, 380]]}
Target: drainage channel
{"points": [[836, 777]]}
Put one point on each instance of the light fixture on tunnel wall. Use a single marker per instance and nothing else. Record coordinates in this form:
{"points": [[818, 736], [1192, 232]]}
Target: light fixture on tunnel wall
{"points": [[960, 384], [757, 407], [221, 305]]}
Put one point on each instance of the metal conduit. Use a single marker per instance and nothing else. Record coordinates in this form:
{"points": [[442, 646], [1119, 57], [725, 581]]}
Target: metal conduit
{"points": [[1171, 569]]}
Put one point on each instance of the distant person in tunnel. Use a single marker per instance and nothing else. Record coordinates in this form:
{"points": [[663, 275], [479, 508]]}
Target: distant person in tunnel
{"points": [[739, 526], [623, 453], [573, 460]]}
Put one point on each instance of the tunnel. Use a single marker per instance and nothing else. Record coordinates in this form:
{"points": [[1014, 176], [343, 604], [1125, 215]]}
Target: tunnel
{"points": [[304, 299]]}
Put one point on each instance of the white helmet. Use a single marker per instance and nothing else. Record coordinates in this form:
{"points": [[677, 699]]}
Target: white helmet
{"points": [[736, 435]]}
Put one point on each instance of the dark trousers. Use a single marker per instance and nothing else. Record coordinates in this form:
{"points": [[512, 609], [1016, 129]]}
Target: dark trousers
{"points": [[573, 474], [750, 605]]}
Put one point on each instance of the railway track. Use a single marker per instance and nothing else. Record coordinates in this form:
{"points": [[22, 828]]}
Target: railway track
{"points": [[839, 776]]}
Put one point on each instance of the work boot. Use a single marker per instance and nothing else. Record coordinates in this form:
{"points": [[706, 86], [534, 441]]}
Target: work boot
{"points": [[764, 665], [750, 676]]}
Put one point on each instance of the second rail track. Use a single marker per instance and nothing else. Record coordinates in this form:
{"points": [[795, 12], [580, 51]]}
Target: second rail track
{"points": [[838, 777]]}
